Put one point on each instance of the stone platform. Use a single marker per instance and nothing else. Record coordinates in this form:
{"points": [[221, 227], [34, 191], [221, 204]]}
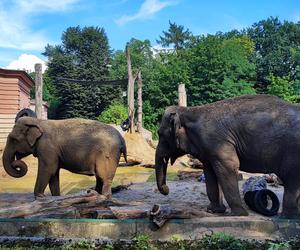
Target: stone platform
{"points": [[114, 229]]}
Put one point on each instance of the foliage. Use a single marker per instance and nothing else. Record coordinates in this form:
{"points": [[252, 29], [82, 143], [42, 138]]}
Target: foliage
{"points": [[84, 55], [176, 35], [279, 246], [215, 241], [142, 242], [284, 88], [277, 47], [116, 113], [221, 68], [80, 245], [222, 241], [178, 241], [280, 86]]}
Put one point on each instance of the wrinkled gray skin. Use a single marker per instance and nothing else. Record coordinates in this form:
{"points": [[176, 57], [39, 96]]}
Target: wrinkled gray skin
{"points": [[254, 133], [78, 145]]}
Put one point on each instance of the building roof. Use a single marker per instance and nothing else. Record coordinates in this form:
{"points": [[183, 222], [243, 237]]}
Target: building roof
{"points": [[20, 74]]}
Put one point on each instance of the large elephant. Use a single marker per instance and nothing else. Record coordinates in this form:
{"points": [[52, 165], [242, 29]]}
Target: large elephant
{"points": [[81, 146], [253, 133]]}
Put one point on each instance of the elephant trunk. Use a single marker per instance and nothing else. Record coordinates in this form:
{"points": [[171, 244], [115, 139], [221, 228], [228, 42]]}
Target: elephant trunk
{"points": [[15, 168], [161, 163]]}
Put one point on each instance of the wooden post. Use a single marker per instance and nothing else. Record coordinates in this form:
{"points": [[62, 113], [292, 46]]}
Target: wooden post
{"points": [[182, 95], [130, 91], [139, 104], [38, 90]]}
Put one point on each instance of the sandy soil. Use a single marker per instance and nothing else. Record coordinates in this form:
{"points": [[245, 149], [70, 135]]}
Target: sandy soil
{"points": [[190, 193]]}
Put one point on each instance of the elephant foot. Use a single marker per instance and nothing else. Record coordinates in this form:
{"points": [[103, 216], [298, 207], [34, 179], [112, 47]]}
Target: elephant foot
{"points": [[108, 196], [39, 196], [239, 212], [216, 209]]}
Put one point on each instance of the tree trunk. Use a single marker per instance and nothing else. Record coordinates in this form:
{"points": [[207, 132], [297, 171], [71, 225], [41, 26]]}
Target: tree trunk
{"points": [[182, 95], [38, 90], [130, 90], [140, 104]]}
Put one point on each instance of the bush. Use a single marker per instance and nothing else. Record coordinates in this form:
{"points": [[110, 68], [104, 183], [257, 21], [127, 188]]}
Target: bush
{"points": [[116, 113]]}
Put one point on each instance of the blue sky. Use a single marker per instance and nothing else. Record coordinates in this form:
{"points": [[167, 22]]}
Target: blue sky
{"points": [[26, 26]]}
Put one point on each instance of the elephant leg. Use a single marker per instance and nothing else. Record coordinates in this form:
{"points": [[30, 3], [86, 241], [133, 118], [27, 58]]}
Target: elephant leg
{"points": [[46, 170], [54, 184], [105, 170], [291, 196], [225, 166], [213, 191], [99, 185]]}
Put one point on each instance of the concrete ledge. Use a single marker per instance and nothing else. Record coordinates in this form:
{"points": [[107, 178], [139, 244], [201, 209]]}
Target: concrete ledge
{"points": [[242, 227]]}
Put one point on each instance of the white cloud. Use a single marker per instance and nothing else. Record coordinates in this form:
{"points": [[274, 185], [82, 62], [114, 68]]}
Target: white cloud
{"points": [[26, 62], [147, 10], [14, 34], [44, 6], [15, 30]]}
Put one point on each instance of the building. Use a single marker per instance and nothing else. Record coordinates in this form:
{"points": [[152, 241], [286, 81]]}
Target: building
{"points": [[15, 86]]}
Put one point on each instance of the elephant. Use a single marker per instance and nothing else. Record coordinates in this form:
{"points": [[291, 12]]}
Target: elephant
{"points": [[252, 133], [81, 146]]}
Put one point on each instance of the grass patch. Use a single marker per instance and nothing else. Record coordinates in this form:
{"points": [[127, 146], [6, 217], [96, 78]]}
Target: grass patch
{"points": [[216, 241]]}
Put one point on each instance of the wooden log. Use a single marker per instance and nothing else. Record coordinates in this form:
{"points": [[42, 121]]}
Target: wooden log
{"points": [[182, 174], [131, 212], [51, 203], [130, 90], [38, 90], [70, 213], [148, 166], [182, 101], [103, 214], [139, 104], [161, 213]]}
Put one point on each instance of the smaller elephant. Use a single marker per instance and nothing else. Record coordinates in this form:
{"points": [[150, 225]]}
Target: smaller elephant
{"points": [[81, 146]]}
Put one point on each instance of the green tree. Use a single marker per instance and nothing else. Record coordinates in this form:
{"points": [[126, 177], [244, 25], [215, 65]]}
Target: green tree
{"points": [[220, 67], [116, 113], [84, 55], [284, 88], [176, 36], [277, 49]]}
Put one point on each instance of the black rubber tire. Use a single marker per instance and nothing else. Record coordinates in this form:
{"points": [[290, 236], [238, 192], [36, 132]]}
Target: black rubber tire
{"points": [[261, 202], [249, 199], [25, 112]]}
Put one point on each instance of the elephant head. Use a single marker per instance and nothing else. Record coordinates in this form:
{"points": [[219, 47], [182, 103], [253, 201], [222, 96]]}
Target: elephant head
{"points": [[20, 143], [172, 144]]}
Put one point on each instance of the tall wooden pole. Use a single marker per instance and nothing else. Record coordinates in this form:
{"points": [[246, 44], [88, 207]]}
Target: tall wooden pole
{"points": [[182, 95], [139, 103], [38, 90], [130, 91]]}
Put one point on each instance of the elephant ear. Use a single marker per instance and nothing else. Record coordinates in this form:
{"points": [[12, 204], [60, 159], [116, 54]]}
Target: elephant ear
{"points": [[34, 132], [176, 125]]}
